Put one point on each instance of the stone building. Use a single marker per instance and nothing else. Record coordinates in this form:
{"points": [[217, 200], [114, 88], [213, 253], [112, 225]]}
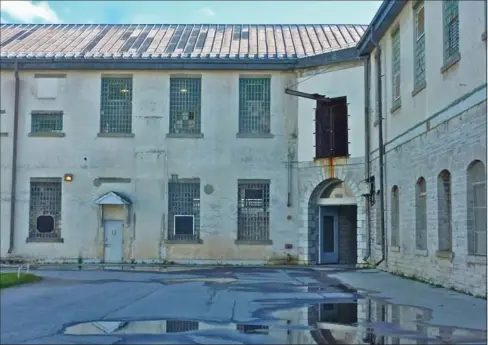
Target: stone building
{"points": [[426, 102], [184, 143], [251, 143]]}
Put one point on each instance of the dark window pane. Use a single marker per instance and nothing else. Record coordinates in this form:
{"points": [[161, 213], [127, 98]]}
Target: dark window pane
{"points": [[45, 223], [184, 225], [328, 231]]}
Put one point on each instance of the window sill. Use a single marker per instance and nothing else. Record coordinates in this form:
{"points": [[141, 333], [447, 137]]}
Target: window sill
{"points": [[44, 240], [3, 134], [185, 135], [421, 86], [257, 242], [396, 106], [453, 60], [476, 259], [421, 252], [255, 135], [198, 241], [46, 134], [115, 135], [395, 249], [445, 254], [483, 36]]}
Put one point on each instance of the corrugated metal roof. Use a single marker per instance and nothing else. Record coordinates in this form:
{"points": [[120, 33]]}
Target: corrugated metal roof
{"points": [[169, 41]]}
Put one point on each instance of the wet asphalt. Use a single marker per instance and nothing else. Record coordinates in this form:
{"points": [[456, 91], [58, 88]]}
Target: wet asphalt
{"points": [[224, 305]]}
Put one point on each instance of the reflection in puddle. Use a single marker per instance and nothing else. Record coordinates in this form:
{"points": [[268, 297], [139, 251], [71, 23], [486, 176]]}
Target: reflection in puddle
{"points": [[364, 322]]}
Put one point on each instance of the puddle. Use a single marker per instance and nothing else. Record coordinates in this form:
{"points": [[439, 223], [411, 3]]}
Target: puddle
{"points": [[365, 322]]}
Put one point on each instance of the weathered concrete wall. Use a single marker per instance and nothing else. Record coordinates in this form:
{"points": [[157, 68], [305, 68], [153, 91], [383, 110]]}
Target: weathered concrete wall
{"points": [[147, 159]]}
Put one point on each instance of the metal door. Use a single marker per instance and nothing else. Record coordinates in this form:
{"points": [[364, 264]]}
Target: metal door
{"points": [[328, 236], [114, 240]]}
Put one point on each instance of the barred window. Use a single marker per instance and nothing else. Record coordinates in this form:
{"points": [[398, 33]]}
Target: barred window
{"points": [[254, 105], [253, 210], [395, 64], [177, 326], [184, 209], [379, 236], [116, 105], [185, 105], [395, 217], [451, 28], [444, 211], [419, 44], [45, 208], [421, 214], [46, 121], [476, 206]]}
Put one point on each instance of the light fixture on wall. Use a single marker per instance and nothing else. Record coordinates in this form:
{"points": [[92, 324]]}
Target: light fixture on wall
{"points": [[183, 90], [68, 177]]}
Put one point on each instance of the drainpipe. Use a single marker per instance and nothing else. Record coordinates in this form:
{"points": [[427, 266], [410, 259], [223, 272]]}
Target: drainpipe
{"points": [[14, 158], [379, 103], [367, 100]]}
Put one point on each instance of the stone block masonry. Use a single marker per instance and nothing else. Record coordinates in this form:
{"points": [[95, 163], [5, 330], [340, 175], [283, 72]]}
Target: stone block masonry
{"points": [[452, 145]]}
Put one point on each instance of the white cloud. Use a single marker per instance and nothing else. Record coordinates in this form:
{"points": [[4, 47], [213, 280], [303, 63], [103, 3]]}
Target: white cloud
{"points": [[207, 11], [28, 11]]}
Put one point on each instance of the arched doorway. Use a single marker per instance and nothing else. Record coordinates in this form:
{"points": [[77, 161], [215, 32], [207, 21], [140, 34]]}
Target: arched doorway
{"points": [[332, 223]]}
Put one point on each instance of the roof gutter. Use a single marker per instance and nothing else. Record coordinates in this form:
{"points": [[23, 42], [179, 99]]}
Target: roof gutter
{"points": [[80, 63], [14, 158]]}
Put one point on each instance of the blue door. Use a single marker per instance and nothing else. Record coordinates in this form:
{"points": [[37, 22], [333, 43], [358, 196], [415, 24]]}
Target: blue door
{"points": [[328, 235]]}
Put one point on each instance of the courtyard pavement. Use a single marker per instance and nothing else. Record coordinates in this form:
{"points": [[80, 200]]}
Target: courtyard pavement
{"points": [[230, 305]]}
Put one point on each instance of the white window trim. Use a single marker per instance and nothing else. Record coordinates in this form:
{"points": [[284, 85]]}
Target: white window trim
{"points": [[184, 215]]}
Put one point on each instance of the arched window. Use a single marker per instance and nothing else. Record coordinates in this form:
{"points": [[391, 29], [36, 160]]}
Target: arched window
{"points": [[379, 235], [476, 206], [421, 214], [444, 211], [395, 217]]}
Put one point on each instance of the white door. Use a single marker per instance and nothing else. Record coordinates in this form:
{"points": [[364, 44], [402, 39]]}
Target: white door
{"points": [[114, 240]]}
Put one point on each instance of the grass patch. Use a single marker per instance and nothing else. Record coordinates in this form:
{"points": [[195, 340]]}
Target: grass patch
{"points": [[11, 279]]}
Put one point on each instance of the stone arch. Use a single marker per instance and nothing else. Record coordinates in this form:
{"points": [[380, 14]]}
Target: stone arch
{"points": [[309, 211]]}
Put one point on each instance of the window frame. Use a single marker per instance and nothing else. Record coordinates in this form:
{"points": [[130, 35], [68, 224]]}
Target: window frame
{"points": [[446, 36], [247, 125], [174, 106], [396, 58], [421, 204], [57, 116], [246, 211], [119, 107]]}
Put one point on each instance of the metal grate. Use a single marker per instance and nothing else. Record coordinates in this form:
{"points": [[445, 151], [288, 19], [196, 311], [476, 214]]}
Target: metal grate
{"points": [[476, 209], [254, 105], [185, 105], [419, 45], [116, 105], [379, 236], [395, 217], [421, 215], [451, 28], [253, 211], [183, 205], [444, 211], [46, 122], [45, 208], [252, 329], [395, 64], [177, 326]]}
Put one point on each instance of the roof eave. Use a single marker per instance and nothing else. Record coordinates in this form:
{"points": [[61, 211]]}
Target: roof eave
{"points": [[144, 64], [338, 56], [383, 19]]}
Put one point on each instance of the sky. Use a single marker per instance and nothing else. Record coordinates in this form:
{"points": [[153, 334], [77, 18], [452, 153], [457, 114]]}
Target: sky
{"points": [[188, 12]]}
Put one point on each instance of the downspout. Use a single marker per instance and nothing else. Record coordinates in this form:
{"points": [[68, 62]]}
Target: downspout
{"points": [[367, 100], [379, 106], [14, 159]]}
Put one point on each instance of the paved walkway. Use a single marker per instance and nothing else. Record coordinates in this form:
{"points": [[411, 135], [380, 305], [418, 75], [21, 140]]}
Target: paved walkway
{"points": [[229, 305]]}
